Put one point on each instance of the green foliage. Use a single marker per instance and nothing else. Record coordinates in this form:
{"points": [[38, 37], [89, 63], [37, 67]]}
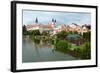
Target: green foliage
{"points": [[36, 32], [62, 34], [86, 51], [24, 30], [45, 33], [74, 32], [78, 38], [29, 33], [33, 32], [87, 36], [37, 41], [61, 44]]}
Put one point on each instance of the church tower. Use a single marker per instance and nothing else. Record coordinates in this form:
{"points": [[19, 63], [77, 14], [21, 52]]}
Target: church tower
{"points": [[36, 20], [54, 22]]}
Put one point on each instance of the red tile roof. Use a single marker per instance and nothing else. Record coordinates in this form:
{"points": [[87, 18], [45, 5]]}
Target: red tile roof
{"points": [[40, 25]]}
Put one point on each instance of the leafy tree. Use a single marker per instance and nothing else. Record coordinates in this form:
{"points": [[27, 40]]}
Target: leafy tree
{"points": [[70, 32], [86, 51], [24, 30], [62, 34], [45, 33], [61, 44], [36, 32], [87, 36], [33, 32], [75, 32]]}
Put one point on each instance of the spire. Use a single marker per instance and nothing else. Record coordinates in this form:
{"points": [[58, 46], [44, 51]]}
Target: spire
{"points": [[36, 21], [55, 21], [52, 20]]}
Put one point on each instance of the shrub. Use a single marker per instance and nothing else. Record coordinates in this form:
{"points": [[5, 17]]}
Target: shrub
{"points": [[24, 30], [87, 36], [85, 51], [61, 44]]}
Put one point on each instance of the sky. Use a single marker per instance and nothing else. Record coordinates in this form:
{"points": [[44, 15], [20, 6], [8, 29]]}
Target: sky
{"points": [[44, 17]]}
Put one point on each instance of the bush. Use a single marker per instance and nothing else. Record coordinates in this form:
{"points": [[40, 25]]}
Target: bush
{"points": [[84, 50], [45, 33], [87, 36], [36, 32], [87, 50], [24, 30], [61, 44], [62, 34], [33, 32]]}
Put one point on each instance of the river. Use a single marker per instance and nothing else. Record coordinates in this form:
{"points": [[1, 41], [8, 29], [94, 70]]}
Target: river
{"points": [[42, 52]]}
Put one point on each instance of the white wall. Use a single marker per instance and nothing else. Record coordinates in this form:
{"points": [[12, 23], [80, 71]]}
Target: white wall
{"points": [[5, 36]]}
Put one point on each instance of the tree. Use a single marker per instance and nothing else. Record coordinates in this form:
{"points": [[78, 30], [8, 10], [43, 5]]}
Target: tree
{"points": [[70, 32], [24, 30], [75, 32], [86, 51], [61, 44], [36, 32], [87, 36], [62, 34], [45, 33]]}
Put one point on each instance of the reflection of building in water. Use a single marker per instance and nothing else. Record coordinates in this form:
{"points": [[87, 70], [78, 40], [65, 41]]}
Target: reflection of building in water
{"points": [[41, 44]]}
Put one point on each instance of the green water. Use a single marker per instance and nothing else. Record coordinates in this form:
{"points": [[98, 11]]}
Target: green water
{"points": [[40, 51]]}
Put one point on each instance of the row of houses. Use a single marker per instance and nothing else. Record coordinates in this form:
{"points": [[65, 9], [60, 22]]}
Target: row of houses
{"points": [[52, 29]]}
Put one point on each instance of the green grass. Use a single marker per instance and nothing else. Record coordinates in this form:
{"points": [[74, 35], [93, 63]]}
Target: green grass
{"points": [[75, 46]]}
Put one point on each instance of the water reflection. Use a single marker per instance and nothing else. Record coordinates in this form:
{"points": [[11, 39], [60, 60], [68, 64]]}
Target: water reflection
{"points": [[40, 50]]}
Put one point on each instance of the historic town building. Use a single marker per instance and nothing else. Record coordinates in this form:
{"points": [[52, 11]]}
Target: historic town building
{"points": [[52, 28]]}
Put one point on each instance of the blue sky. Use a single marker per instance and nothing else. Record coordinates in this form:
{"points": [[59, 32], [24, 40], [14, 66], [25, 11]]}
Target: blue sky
{"points": [[61, 17]]}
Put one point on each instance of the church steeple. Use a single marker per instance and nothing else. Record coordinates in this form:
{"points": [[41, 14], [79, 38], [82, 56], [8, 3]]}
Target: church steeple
{"points": [[54, 22], [36, 21]]}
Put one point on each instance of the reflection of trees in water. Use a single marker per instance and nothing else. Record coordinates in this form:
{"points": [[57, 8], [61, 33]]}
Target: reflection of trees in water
{"points": [[36, 41], [42, 44], [45, 44], [36, 46], [62, 46]]}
